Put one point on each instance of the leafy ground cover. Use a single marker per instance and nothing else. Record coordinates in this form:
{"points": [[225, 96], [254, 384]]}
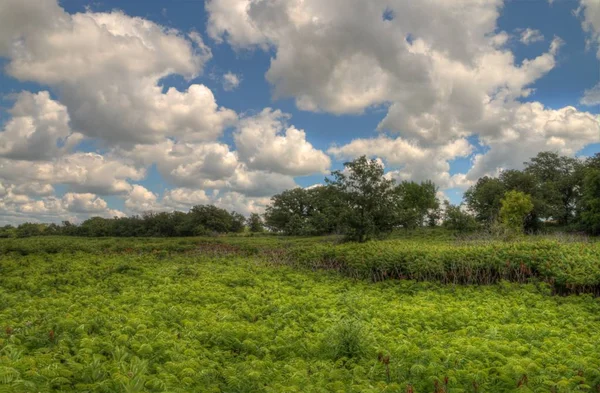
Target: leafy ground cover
{"points": [[173, 316]]}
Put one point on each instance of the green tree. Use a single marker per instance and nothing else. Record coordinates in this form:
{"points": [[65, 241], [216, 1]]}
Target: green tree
{"points": [[369, 198], [560, 180], [300, 211], [458, 220], [289, 212], [483, 199], [255, 223], [590, 214], [206, 219], [415, 202], [96, 227], [516, 206], [527, 183]]}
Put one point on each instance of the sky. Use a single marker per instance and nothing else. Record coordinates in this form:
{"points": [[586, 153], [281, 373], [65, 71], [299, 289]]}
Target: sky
{"points": [[112, 108]]}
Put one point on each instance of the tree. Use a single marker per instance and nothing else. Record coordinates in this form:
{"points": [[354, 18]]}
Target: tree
{"points": [[458, 220], [415, 202], [483, 199], [516, 206], [236, 222], [206, 219], [255, 223], [29, 229], [289, 212], [560, 180], [301, 211], [368, 197], [590, 214], [96, 227], [527, 183]]}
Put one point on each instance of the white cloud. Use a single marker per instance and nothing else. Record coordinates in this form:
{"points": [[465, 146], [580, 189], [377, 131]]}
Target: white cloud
{"points": [[209, 166], [75, 207], [82, 172], [231, 81], [185, 198], [530, 129], [589, 10], [38, 129], [140, 200], [451, 77], [266, 142], [107, 69], [591, 96], [416, 162], [529, 36]]}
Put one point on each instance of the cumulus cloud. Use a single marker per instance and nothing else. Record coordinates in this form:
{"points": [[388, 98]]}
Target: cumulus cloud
{"points": [[76, 207], [450, 76], [231, 81], [265, 142], [530, 129], [38, 129], [107, 69], [209, 166], [140, 200], [186, 198], [415, 162], [591, 96], [82, 172], [529, 36], [589, 11], [441, 71]]}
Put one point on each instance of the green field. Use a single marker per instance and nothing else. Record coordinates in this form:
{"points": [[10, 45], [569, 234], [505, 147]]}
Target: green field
{"points": [[263, 315]]}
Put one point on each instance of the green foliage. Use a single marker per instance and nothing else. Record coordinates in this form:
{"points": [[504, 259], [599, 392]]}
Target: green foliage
{"points": [[515, 208], [346, 339], [255, 223], [484, 199], [457, 220], [590, 215], [206, 319], [369, 199], [414, 202], [559, 180], [305, 212]]}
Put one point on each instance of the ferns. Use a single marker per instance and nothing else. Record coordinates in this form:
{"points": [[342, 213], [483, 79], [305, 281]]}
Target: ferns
{"points": [[134, 322]]}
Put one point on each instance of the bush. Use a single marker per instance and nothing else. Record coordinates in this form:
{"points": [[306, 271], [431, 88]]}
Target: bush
{"points": [[346, 339], [516, 206]]}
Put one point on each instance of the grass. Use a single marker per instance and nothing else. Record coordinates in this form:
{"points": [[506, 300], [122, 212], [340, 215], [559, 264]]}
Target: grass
{"points": [[206, 315]]}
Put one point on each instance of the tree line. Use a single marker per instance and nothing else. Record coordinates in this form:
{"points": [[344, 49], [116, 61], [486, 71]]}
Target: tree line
{"points": [[361, 202], [201, 220]]}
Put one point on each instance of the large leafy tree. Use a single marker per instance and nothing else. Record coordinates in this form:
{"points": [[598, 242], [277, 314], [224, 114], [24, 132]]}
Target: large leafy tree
{"points": [[289, 212], [209, 218], [300, 211], [560, 180], [369, 198], [515, 180], [415, 201], [483, 199]]}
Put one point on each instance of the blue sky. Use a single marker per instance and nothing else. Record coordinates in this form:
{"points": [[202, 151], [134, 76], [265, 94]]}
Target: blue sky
{"points": [[316, 81]]}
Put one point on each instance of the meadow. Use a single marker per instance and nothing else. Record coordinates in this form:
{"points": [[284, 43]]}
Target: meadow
{"points": [[271, 314]]}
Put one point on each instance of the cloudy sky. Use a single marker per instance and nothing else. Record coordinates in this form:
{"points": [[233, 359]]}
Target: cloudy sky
{"points": [[114, 108]]}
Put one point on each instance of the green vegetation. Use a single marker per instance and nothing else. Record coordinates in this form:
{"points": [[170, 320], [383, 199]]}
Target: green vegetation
{"points": [[240, 314], [516, 205]]}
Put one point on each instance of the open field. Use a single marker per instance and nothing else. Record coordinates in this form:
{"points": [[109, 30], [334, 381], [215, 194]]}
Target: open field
{"points": [[258, 315]]}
